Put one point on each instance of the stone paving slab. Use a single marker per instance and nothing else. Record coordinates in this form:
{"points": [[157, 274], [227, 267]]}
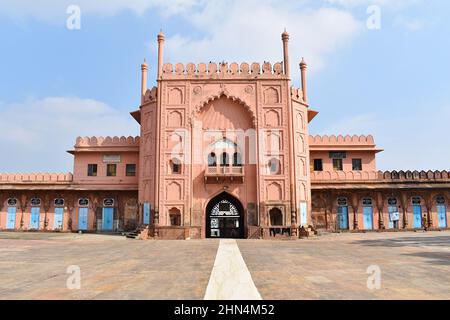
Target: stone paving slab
{"points": [[110, 269], [413, 265]]}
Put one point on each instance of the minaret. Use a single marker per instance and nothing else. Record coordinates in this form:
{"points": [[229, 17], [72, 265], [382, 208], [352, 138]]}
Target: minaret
{"points": [[285, 38], [293, 197], [158, 127], [160, 53], [144, 68], [303, 67]]}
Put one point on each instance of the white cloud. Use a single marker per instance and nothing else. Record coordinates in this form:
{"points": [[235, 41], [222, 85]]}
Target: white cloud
{"points": [[51, 10], [388, 4], [232, 29], [36, 133], [251, 31]]}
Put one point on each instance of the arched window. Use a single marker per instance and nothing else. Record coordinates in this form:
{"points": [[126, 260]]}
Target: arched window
{"points": [[83, 202], [224, 161], [175, 166], [416, 200], [392, 201], [35, 202], [274, 166], [212, 160], [276, 217], [342, 202], [367, 202], [175, 217], [59, 202], [12, 202], [108, 202], [440, 200], [237, 161]]}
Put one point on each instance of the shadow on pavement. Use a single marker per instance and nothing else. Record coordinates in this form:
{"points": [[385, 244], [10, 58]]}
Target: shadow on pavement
{"points": [[438, 241], [434, 257]]}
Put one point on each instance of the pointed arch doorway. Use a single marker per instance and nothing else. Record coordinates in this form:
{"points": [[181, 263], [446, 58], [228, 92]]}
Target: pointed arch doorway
{"points": [[224, 217]]}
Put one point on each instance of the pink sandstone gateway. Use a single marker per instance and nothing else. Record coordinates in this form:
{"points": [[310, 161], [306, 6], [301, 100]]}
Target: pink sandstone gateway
{"points": [[224, 152]]}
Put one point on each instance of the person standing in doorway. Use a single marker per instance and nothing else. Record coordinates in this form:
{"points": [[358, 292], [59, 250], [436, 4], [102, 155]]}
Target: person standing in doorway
{"points": [[424, 222]]}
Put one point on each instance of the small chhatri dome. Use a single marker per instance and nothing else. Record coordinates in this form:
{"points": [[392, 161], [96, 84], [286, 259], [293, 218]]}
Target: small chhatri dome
{"points": [[161, 35], [144, 65], [285, 35], [303, 63]]}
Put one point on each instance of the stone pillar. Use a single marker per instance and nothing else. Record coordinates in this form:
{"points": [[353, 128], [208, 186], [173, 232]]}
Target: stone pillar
{"points": [[156, 222], [47, 204], [355, 218], [428, 206], [355, 205], [23, 207], [404, 201], [380, 206]]}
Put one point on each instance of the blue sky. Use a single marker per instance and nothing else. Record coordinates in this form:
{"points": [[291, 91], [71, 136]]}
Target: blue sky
{"points": [[56, 83]]}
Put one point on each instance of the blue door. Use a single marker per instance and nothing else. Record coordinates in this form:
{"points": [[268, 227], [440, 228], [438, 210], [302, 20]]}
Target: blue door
{"points": [[441, 213], [417, 216], [82, 218], [11, 223], [391, 210], [107, 219], [34, 219], [59, 216], [343, 217], [368, 218], [146, 213]]}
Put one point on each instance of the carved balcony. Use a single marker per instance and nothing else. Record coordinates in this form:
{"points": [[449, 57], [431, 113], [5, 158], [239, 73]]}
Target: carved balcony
{"points": [[219, 174]]}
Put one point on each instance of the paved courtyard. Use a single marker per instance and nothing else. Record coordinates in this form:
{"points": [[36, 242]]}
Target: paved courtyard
{"points": [[412, 265]]}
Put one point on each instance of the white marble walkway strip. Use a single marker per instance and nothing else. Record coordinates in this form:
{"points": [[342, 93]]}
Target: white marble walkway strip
{"points": [[230, 278]]}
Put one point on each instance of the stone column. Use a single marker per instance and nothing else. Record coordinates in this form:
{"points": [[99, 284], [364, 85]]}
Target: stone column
{"points": [[428, 205], [47, 204], [380, 206], [404, 201], [355, 205], [156, 222], [23, 207]]}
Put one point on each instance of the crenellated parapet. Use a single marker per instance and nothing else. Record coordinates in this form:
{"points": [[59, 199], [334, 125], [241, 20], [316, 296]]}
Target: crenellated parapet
{"points": [[150, 95], [340, 139], [51, 178], [342, 176], [297, 95], [380, 176], [409, 175], [223, 70], [83, 142]]}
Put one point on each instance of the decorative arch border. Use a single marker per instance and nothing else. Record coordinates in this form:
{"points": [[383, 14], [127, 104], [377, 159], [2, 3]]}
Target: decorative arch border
{"points": [[223, 93], [224, 194]]}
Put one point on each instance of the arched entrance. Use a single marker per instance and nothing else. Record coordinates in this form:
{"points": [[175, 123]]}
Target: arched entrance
{"points": [[224, 217]]}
